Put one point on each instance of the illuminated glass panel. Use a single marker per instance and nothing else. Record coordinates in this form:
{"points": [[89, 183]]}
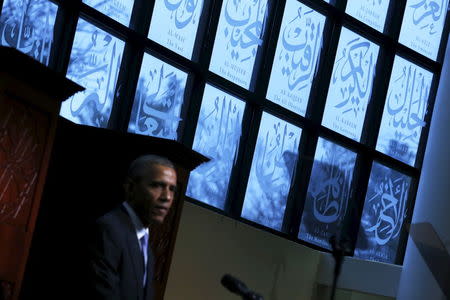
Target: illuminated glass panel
{"points": [[328, 193], [119, 10], [296, 57], [94, 64], [174, 24], [272, 169], [422, 26], [238, 38], [404, 111], [383, 214], [158, 99], [370, 12], [351, 84], [28, 27], [217, 137]]}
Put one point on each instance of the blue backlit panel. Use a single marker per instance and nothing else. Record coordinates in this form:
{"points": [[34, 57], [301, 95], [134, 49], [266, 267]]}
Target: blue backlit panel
{"points": [[217, 137], [238, 39], [383, 214], [94, 64], [296, 57], [119, 10], [158, 100], [328, 193], [422, 26], [28, 27], [370, 12], [351, 84], [174, 24], [404, 111], [273, 165]]}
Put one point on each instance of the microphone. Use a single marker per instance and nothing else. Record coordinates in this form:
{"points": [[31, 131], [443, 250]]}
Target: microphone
{"points": [[236, 286]]}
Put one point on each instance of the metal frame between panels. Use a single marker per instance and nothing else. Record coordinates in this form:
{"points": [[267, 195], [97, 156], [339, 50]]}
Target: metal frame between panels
{"points": [[137, 44]]}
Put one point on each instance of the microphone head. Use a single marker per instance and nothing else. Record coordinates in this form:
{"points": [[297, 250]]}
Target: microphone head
{"points": [[234, 285]]}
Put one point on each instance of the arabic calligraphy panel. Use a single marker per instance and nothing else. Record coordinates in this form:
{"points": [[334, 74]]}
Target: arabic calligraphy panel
{"points": [[94, 64], [422, 26], [296, 57], [238, 38], [217, 137], [119, 10], [351, 84], [404, 111], [273, 165], [370, 12], [158, 99], [383, 214], [28, 27], [174, 24], [328, 193]]}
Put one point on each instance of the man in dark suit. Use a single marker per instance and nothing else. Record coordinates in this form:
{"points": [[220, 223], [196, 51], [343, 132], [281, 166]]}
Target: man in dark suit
{"points": [[120, 258]]}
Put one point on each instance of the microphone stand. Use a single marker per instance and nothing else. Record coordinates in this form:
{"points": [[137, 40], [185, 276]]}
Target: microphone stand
{"points": [[338, 252]]}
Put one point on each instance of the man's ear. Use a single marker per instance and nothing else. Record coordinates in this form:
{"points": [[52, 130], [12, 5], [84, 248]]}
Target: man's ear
{"points": [[128, 188]]}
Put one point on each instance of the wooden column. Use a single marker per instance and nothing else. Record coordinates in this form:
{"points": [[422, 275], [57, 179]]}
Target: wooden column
{"points": [[30, 97]]}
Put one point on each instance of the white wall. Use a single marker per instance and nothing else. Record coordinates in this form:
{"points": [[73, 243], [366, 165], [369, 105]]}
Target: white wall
{"points": [[209, 245], [361, 276], [433, 197]]}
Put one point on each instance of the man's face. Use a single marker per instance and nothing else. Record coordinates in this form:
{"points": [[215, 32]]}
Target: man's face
{"points": [[152, 195]]}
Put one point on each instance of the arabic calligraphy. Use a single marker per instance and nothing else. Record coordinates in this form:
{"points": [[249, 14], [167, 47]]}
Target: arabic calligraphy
{"points": [[422, 26], [353, 70], [328, 192], [217, 137], [426, 13], [94, 64], [332, 177], [28, 27], [386, 208], [182, 11], [158, 100], [351, 84], [271, 172], [174, 24], [406, 105], [296, 57], [239, 34], [243, 33]]}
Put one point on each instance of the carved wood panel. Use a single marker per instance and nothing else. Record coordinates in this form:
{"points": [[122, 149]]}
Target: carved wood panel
{"points": [[23, 134]]}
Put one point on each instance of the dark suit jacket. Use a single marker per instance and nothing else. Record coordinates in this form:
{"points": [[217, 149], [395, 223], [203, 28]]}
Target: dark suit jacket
{"points": [[116, 264]]}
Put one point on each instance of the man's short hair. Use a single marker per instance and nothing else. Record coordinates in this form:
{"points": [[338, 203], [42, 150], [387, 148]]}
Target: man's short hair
{"points": [[141, 164]]}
